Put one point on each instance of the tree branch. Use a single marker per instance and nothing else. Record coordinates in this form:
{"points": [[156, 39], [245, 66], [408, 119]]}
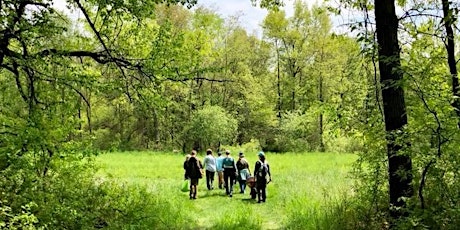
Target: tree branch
{"points": [[98, 35], [197, 78], [14, 70], [71, 87], [439, 139]]}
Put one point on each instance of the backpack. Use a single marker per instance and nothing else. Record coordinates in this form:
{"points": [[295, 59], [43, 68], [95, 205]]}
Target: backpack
{"points": [[228, 163], [263, 171], [193, 168], [242, 164]]}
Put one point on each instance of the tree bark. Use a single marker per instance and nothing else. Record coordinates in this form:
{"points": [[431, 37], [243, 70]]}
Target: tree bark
{"points": [[88, 112], [321, 100], [278, 83], [449, 20], [156, 128], [394, 107]]}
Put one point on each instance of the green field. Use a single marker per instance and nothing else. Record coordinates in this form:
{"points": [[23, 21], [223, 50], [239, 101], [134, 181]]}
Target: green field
{"points": [[303, 188]]}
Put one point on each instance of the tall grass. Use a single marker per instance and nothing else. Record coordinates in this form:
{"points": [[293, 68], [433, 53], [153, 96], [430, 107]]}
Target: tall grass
{"points": [[307, 191]]}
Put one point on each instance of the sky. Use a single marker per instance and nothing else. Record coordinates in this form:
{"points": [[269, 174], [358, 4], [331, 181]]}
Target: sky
{"points": [[251, 17]]}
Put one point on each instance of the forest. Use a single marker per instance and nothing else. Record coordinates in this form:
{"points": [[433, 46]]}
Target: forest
{"points": [[169, 76]]}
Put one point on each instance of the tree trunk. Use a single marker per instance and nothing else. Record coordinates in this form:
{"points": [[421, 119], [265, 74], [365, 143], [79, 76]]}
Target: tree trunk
{"points": [[79, 116], [394, 107], [88, 113], [278, 83], [191, 105], [450, 47], [321, 99], [156, 131], [301, 91]]}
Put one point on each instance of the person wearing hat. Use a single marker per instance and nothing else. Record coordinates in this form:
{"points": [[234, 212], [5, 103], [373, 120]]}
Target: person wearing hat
{"points": [[220, 169], [243, 171], [229, 173], [263, 176]]}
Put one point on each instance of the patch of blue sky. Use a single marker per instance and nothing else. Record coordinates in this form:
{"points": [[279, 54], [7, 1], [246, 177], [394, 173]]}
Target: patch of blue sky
{"points": [[251, 17]]}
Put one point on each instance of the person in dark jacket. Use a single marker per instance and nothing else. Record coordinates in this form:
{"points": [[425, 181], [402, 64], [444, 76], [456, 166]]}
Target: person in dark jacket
{"points": [[229, 166], [263, 177], [194, 171], [185, 166]]}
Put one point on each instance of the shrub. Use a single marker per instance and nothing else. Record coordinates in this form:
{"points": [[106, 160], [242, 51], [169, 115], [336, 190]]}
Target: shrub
{"points": [[346, 213], [298, 133], [250, 147], [70, 197], [209, 126], [9, 219]]}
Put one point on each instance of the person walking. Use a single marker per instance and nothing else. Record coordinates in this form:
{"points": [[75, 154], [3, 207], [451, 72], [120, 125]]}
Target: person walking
{"points": [[229, 166], [220, 169], [243, 171], [194, 172], [210, 166], [185, 166], [262, 171]]}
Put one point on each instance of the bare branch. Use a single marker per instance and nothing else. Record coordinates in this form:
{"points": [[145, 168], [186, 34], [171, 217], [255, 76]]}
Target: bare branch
{"points": [[71, 87], [197, 78], [93, 27], [14, 70]]}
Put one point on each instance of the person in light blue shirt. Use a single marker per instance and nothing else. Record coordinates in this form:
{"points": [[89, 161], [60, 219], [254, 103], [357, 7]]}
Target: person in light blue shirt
{"points": [[210, 166], [220, 169]]}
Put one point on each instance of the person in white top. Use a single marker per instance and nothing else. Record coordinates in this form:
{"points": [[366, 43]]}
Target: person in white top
{"points": [[210, 166]]}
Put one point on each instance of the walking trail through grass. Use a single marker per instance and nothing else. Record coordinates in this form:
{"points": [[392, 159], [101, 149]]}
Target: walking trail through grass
{"points": [[302, 183]]}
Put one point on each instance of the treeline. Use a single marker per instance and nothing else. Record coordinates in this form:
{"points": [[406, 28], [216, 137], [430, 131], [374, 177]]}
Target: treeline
{"points": [[160, 77], [206, 82]]}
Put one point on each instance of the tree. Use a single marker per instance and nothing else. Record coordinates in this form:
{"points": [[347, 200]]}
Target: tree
{"points": [[394, 107], [275, 25], [449, 20], [211, 126]]}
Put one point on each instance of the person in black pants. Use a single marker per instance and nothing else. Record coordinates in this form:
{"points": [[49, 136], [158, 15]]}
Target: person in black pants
{"points": [[262, 171], [210, 166], [194, 171], [229, 166]]}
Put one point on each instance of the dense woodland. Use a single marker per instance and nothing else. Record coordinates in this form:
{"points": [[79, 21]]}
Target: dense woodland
{"points": [[167, 75]]}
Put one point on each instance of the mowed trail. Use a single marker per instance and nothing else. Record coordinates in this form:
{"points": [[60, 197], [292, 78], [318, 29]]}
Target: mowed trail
{"points": [[307, 180]]}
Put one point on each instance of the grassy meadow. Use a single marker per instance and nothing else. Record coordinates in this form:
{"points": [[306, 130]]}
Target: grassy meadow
{"points": [[302, 195]]}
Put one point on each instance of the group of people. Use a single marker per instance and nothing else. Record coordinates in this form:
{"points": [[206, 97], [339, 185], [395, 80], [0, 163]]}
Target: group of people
{"points": [[228, 172]]}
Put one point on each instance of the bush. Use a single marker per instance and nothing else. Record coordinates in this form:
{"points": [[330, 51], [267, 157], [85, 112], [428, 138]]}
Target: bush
{"points": [[251, 147], [298, 133], [343, 144], [24, 219], [346, 213], [209, 126], [70, 197], [104, 139]]}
